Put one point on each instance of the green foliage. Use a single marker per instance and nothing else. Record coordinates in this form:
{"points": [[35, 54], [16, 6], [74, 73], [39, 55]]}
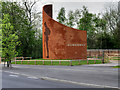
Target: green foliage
{"points": [[70, 20], [112, 17], [103, 30], [18, 21], [9, 39], [85, 22], [25, 31], [65, 63], [116, 67], [94, 26], [61, 16]]}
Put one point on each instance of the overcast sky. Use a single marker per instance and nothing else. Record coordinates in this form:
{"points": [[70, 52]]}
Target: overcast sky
{"points": [[94, 6]]}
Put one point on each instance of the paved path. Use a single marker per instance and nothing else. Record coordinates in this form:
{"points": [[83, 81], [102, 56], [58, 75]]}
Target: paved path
{"points": [[106, 64]]}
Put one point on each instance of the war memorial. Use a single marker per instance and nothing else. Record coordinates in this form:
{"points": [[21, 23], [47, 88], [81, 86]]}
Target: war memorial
{"points": [[60, 41]]}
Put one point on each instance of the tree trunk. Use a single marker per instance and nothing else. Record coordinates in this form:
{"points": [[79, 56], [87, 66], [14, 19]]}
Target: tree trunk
{"points": [[103, 58], [9, 63], [4, 63]]}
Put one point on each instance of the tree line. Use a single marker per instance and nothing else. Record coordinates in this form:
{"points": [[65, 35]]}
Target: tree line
{"points": [[21, 35], [103, 29]]}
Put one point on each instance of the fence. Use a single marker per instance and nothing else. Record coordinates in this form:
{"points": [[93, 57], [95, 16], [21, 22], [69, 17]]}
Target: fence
{"points": [[43, 61], [60, 61], [112, 56], [14, 59], [99, 52], [93, 54]]}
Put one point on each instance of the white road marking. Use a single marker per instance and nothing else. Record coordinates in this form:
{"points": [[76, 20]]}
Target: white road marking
{"points": [[7, 71], [73, 82], [11, 72], [25, 74], [14, 75], [67, 81], [33, 77]]}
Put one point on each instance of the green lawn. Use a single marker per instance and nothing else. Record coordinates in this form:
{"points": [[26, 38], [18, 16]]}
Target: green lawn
{"points": [[65, 63], [116, 67], [115, 58]]}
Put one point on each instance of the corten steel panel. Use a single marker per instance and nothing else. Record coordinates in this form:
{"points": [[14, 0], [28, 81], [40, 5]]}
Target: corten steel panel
{"points": [[60, 41]]}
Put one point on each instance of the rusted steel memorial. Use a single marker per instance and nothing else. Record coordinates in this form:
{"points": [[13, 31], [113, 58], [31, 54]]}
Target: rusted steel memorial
{"points": [[60, 41]]}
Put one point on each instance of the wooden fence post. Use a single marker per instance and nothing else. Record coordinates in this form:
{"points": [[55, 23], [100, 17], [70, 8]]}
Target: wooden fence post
{"points": [[15, 60], [35, 62], [87, 61], [95, 59], [43, 62], [103, 57], [28, 61], [79, 62], [4, 62], [51, 62], [70, 62], [21, 61], [0, 59], [59, 62], [22, 58]]}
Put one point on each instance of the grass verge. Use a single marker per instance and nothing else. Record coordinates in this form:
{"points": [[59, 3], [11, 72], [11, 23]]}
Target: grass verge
{"points": [[116, 67], [65, 63], [115, 58]]}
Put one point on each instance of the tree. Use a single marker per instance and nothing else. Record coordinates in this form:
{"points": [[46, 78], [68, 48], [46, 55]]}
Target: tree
{"points": [[95, 27], [28, 6], [28, 31], [70, 20], [112, 16], [103, 30], [20, 23], [0, 32], [86, 22], [77, 16], [9, 40], [61, 16], [34, 18]]}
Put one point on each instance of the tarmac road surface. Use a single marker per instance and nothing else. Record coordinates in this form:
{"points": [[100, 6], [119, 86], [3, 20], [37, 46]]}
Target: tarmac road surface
{"points": [[40, 76]]}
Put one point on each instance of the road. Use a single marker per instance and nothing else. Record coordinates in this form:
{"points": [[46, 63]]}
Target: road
{"points": [[30, 76], [21, 81]]}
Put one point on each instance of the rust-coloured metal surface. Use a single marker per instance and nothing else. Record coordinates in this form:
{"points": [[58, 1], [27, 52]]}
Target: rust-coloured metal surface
{"points": [[60, 41]]}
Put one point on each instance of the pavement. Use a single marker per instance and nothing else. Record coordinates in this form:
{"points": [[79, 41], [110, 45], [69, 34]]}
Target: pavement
{"points": [[83, 76], [106, 64]]}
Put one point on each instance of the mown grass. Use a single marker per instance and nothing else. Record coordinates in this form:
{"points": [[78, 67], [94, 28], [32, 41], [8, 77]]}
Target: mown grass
{"points": [[115, 58], [65, 63], [116, 67]]}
